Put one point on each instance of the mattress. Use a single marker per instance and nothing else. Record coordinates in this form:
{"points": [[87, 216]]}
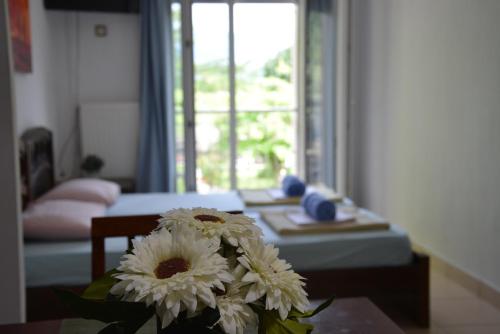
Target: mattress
{"points": [[68, 263], [155, 203], [341, 250]]}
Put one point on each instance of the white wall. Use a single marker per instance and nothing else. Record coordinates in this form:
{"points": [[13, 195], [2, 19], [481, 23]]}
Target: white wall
{"points": [[426, 124], [11, 260], [108, 76], [108, 67], [72, 66]]}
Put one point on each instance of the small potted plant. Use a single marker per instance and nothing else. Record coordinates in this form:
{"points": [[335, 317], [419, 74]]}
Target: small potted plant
{"points": [[91, 165]]}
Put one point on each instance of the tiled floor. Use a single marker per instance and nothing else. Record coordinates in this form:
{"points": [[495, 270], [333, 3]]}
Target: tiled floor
{"points": [[456, 310]]}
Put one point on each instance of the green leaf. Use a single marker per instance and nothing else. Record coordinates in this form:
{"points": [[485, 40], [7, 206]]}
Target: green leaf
{"points": [[294, 313], [272, 324], [104, 310], [99, 289]]}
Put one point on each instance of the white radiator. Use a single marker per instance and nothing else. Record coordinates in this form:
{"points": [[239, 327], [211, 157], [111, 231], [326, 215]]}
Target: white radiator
{"points": [[111, 131]]}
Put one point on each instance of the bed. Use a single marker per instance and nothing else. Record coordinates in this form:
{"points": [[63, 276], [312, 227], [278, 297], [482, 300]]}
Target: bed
{"points": [[378, 264]]}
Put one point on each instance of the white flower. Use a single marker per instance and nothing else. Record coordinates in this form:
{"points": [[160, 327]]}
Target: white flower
{"points": [[214, 224], [235, 314], [271, 277], [176, 270]]}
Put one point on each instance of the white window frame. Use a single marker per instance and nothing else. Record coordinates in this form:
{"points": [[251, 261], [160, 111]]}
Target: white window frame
{"points": [[188, 88], [343, 181]]}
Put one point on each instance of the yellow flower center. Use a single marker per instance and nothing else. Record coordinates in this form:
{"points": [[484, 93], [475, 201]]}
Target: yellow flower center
{"points": [[169, 268], [209, 218]]}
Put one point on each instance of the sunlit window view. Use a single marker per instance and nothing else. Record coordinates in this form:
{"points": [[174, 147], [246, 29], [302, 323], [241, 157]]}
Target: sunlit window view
{"points": [[264, 51], [265, 92]]}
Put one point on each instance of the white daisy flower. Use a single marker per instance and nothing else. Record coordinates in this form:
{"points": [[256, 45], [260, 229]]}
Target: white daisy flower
{"points": [[175, 270], [214, 224], [235, 314], [272, 277]]}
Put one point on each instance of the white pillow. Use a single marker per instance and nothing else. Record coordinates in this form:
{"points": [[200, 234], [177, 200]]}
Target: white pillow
{"points": [[88, 190], [60, 219]]}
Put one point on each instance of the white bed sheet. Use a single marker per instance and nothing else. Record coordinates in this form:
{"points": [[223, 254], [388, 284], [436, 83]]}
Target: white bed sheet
{"points": [[68, 263]]}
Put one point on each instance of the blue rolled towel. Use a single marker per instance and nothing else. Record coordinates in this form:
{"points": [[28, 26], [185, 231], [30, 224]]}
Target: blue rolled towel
{"points": [[318, 207], [292, 186]]}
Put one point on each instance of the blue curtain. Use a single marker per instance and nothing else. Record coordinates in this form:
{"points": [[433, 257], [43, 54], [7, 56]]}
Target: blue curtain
{"points": [[320, 91], [156, 169]]}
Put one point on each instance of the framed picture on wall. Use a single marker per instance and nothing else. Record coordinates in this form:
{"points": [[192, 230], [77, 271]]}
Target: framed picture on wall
{"points": [[20, 32]]}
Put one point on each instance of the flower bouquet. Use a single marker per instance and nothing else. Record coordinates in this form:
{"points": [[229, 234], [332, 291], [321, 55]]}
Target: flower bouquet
{"points": [[200, 271]]}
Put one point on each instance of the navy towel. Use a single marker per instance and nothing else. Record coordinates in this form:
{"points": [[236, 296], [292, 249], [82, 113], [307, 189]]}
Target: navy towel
{"points": [[318, 207], [292, 186]]}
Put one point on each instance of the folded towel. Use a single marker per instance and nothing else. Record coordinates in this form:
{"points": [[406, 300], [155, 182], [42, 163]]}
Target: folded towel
{"points": [[292, 186], [318, 207]]}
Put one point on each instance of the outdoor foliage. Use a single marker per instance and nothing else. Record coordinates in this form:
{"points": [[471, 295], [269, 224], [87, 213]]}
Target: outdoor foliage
{"points": [[265, 123], [266, 120]]}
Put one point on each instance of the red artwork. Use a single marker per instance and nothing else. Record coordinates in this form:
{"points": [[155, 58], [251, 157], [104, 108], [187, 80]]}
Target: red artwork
{"points": [[20, 31]]}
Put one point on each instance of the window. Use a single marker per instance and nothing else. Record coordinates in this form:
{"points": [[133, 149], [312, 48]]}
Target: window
{"points": [[237, 94]]}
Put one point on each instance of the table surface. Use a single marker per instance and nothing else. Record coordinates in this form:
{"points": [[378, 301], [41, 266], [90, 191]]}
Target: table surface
{"points": [[349, 315]]}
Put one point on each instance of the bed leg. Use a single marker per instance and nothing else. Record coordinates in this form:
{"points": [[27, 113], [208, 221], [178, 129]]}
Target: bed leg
{"points": [[423, 298], [98, 260]]}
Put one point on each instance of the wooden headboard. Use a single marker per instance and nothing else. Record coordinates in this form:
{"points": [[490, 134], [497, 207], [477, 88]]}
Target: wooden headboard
{"points": [[37, 163]]}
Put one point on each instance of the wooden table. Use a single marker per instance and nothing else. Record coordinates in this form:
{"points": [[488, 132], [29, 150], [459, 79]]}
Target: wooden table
{"points": [[350, 315], [353, 316]]}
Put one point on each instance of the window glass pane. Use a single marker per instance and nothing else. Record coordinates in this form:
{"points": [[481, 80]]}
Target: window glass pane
{"points": [[266, 149], [265, 92], [211, 67], [212, 173], [210, 38], [265, 37]]}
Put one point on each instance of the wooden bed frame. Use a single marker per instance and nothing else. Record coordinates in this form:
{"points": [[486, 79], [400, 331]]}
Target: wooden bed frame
{"points": [[398, 290], [37, 164]]}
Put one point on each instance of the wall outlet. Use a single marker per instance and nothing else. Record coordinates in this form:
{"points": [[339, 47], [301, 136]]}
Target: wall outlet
{"points": [[101, 30]]}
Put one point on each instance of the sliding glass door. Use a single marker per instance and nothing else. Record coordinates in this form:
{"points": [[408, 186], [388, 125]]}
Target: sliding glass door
{"points": [[212, 96], [266, 92], [236, 93]]}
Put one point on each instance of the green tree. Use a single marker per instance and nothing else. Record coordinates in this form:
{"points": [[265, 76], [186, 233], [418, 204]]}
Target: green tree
{"points": [[280, 66], [265, 138]]}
